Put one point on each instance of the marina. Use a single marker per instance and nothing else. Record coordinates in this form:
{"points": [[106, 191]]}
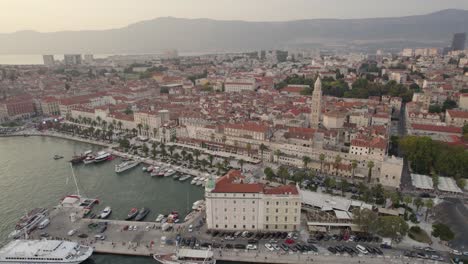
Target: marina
{"points": [[44, 182]]}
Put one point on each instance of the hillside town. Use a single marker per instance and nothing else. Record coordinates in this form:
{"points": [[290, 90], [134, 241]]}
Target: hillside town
{"points": [[307, 137]]}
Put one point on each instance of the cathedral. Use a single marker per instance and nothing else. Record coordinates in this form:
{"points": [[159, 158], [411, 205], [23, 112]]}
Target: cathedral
{"points": [[316, 106]]}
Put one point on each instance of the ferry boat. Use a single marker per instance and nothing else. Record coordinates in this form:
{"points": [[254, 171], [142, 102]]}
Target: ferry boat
{"points": [[169, 173], [126, 165], [142, 214], [133, 212], [187, 256], [29, 222], [184, 178], [102, 156], [44, 252], [105, 213]]}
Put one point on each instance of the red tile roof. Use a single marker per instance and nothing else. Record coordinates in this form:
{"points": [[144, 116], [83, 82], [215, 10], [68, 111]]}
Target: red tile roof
{"points": [[457, 113], [233, 182], [445, 129]]}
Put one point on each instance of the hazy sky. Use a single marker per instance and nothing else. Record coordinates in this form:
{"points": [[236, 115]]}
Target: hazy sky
{"points": [[55, 15]]}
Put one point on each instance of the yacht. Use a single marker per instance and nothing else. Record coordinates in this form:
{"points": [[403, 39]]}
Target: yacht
{"points": [[102, 156], [78, 159], [187, 256], [184, 178], [194, 180], [105, 213], [89, 159], [44, 252], [159, 218], [126, 165], [200, 181], [133, 212], [142, 214], [177, 175], [169, 173], [155, 172]]}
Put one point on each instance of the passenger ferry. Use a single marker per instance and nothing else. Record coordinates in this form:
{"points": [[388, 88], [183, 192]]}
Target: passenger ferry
{"points": [[126, 165], [44, 251], [102, 156], [187, 256]]}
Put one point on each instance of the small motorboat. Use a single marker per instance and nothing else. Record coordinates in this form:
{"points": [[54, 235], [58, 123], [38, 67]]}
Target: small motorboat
{"points": [[57, 157], [133, 212], [105, 213], [142, 213], [159, 218]]}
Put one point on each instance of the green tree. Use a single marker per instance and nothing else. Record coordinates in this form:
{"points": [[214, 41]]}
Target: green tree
{"points": [[354, 165], [418, 202], [392, 226], [210, 158], [262, 149], [429, 205], [344, 185], [306, 160], [197, 154], [171, 149], [139, 126], [408, 200], [365, 219], [370, 165], [269, 173], [283, 174], [442, 231], [241, 163], [278, 154], [322, 158]]}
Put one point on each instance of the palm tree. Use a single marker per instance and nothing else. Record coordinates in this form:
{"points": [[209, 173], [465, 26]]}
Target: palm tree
{"points": [[210, 158], [110, 133], [176, 156], [241, 163], [353, 166], [429, 205], [183, 153], [249, 148], [155, 132], [196, 153], [104, 124], [219, 166], [262, 149], [322, 158], [226, 162], [204, 163], [119, 124], [171, 149], [134, 131], [370, 165], [146, 127], [139, 126], [306, 160], [337, 163], [99, 120], [93, 123], [278, 153]]}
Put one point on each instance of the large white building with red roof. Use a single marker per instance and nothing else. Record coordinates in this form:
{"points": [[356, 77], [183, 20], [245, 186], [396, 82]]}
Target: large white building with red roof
{"points": [[234, 204]]}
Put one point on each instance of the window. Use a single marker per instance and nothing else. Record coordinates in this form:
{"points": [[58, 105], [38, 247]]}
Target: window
{"points": [[243, 217], [253, 202], [235, 226], [266, 226], [267, 218], [216, 226], [286, 203], [243, 195], [268, 203], [285, 227], [276, 209], [243, 226], [295, 218], [277, 203], [276, 218], [234, 201], [276, 226], [225, 226], [225, 209], [285, 218], [243, 210], [253, 226], [286, 210]]}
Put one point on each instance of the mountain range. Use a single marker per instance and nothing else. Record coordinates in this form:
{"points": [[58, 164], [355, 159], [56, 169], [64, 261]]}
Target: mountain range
{"points": [[207, 35]]}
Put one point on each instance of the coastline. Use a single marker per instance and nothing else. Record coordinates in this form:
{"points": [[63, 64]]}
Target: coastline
{"points": [[57, 135]]}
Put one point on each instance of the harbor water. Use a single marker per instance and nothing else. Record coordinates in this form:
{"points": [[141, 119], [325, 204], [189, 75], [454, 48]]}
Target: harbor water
{"points": [[30, 177]]}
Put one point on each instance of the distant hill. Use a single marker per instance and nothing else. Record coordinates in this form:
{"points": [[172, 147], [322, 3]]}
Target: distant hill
{"points": [[196, 35]]}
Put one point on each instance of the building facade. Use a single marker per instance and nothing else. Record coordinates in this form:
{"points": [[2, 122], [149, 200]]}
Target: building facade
{"points": [[232, 204]]}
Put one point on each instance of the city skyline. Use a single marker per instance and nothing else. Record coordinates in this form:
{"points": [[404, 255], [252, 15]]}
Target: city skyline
{"points": [[87, 15]]}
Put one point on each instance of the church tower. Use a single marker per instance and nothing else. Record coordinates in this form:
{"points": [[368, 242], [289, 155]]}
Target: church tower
{"points": [[316, 107]]}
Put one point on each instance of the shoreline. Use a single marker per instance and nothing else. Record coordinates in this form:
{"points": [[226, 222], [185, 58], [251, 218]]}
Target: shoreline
{"points": [[57, 135]]}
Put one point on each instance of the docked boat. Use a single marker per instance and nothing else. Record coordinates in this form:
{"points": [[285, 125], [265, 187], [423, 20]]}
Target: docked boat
{"points": [[176, 175], [196, 205], [44, 252], [169, 172], [187, 256], [102, 156], [126, 165], [184, 178], [159, 218], [142, 213], [89, 159], [29, 222], [105, 213], [200, 181], [155, 171], [194, 180], [133, 212]]}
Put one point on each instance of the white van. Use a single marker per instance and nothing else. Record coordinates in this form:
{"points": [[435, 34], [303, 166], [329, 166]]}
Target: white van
{"points": [[362, 249], [44, 223]]}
